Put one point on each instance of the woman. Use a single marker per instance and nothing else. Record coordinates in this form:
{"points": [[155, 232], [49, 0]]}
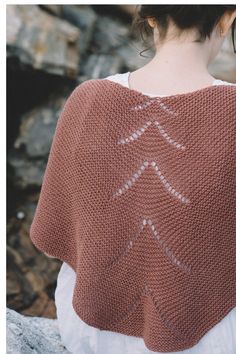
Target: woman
{"points": [[178, 70]]}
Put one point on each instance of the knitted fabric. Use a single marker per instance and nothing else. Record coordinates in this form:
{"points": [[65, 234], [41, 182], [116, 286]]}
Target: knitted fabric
{"points": [[139, 198]]}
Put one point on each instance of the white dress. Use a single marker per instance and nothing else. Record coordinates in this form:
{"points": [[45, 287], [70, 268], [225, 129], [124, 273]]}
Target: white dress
{"points": [[80, 338]]}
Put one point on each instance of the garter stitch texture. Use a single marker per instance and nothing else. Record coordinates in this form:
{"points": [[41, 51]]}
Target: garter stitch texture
{"points": [[139, 198]]}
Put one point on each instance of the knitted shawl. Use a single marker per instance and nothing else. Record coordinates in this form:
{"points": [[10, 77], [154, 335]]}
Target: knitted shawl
{"points": [[139, 198]]}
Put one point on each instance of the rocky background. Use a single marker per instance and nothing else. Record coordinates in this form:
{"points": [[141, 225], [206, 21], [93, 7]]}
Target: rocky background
{"points": [[50, 50]]}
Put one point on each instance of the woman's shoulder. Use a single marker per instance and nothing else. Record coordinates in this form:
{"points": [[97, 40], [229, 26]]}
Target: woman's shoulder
{"points": [[121, 78], [93, 84], [224, 82], [95, 88], [86, 91]]}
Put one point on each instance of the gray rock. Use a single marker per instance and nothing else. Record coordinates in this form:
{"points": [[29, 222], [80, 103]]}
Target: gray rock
{"points": [[128, 9], [130, 55], [32, 335], [109, 34], [101, 65], [28, 156], [31, 276], [38, 127], [83, 17], [19, 290], [42, 41], [27, 173], [52, 9]]}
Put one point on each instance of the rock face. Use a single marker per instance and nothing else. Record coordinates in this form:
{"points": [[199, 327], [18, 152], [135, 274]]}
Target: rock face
{"points": [[42, 41], [28, 155], [28, 335], [31, 276]]}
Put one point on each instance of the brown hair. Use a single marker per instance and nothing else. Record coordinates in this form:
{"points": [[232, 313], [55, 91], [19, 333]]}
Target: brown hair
{"points": [[202, 17]]}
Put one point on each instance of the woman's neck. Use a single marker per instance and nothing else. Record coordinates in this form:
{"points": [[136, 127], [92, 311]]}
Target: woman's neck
{"points": [[175, 68]]}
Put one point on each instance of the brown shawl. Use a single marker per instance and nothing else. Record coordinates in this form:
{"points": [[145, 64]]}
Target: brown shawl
{"points": [[139, 198]]}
